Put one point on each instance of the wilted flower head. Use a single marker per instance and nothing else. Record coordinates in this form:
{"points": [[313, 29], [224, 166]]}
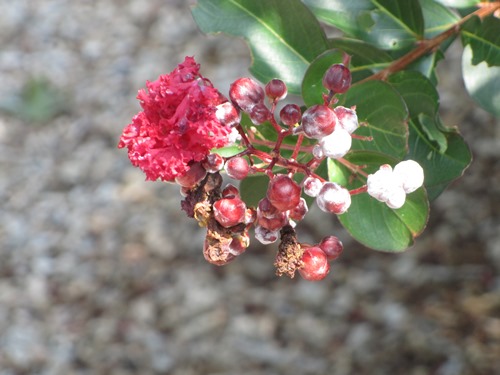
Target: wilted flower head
{"points": [[178, 125]]}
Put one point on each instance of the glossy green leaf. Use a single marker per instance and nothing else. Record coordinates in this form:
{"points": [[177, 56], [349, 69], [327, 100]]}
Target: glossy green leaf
{"points": [[227, 151], [437, 18], [253, 189], [417, 91], [373, 223], [432, 131], [387, 24], [440, 151], [484, 40], [383, 111], [440, 169], [340, 13], [459, 3], [283, 36], [407, 13], [482, 83]]}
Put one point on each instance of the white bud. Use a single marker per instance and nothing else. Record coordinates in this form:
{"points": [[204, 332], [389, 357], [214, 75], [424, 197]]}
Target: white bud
{"points": [[317, 151], [411, 175], [312, 186], [397, 199], [348, 119], [233, 137], [333, 198], [382, 185], [266, 236], [227, 114], [336, 144]]}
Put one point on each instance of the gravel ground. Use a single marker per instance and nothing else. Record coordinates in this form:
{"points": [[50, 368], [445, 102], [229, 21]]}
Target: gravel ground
{"points": [[100, 272]]}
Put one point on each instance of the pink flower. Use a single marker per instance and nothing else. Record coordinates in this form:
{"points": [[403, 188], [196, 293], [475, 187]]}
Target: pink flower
{"points": [[178, 125]]}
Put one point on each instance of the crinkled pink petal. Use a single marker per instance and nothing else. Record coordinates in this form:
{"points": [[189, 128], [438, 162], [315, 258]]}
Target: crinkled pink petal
{"points": [[177, 126]]}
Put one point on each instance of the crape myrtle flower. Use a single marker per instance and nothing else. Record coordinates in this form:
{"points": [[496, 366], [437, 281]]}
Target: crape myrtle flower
{"points": [[178, 125]]}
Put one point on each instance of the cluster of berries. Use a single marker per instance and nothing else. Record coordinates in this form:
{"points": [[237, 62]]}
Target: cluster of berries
{"points": [[222, 210]]}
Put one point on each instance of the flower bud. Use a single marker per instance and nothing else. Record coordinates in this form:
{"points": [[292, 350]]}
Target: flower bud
{"points": [[237, 167], [411, 175], [213, 163], [276, 90], [229, 211], [333, 198], [312, 186], [332, 247], [337, 78], [192, 177], [228, 114], [315, 264], [337, 144], [290, 114], [318, 121], [246, 93], [386, 186], [260, 113], [348, 119], [266, 236]]}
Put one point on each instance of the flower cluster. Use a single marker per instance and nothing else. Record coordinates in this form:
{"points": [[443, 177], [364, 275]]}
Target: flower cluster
{"points": [[185, 120], [178, 124]]}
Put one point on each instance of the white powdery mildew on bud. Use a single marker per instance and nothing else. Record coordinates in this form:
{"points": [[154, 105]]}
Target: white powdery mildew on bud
{"points": [[233, 137], [382, 183], [397, 198], [348, 119], [265, 236], [411, 175], [318, 151], [337, 144], [333, 198], [312, 186], [391, 186], [227, 114]]}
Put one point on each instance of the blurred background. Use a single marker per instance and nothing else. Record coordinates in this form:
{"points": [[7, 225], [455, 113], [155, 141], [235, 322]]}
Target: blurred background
{"points": [[101, 273]]}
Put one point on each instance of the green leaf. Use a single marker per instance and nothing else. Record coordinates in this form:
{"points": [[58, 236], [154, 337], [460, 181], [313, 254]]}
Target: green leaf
{"points": [[482, 83], [373, 223], [484, 39], [440, 151], [459, 3], [340, 13], [253, 189], [407, 14], [387, 24], [440, 169], [437, 18], [422, 101], [227, 151], [430, 128], [385, 114], [417, 91], [283, 36]]}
